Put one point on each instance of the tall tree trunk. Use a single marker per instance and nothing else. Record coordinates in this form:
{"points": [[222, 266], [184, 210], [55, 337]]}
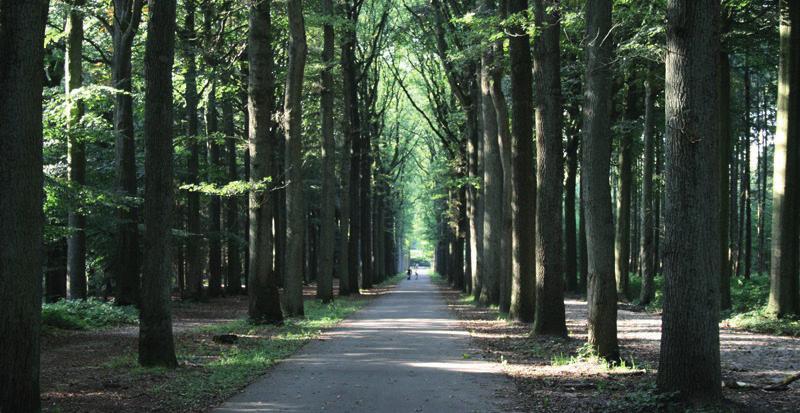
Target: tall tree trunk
{"points": [[523, 281], [343, 269], [262, 285], [570, 227], [762, 192], [595, 170], [215, 207], [689, 362], [492, 179], [327, 220], [646, 253], [623, 234], [504, 139], [365, 212], [76, 152], [725, 145], [583, 255], [156, 346], [746, 192], [783, 293], [550, 315], [292, 125], [125, 261], [233, 285], [194, 259], [22, 26], [353, 131]]}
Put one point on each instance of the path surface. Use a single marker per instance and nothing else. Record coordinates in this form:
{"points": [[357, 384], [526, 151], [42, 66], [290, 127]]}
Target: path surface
{"points": [[404, 353]]}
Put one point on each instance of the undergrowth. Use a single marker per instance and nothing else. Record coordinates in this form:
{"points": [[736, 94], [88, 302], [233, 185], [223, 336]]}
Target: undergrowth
{"points": [[91, 314]]}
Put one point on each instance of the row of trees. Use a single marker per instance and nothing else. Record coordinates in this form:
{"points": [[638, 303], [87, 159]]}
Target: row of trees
{"points": [[601, 73], [160, 157]]}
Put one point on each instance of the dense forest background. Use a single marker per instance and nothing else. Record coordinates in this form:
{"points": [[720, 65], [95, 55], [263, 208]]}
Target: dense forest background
{"points": [[644, 152]]}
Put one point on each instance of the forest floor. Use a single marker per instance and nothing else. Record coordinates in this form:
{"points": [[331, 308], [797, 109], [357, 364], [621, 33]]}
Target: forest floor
{"points": [[559, 375], [96, 371]]}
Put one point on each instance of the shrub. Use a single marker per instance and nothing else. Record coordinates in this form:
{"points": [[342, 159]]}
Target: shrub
{"points": [[88, 314]]}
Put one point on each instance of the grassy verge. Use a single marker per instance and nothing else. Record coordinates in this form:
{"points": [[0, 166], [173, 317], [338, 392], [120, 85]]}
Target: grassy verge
{"points": [[210, 371]]}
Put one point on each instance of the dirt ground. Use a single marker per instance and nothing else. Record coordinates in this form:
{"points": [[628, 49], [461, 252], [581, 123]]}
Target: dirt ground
{"points": [[77, 371], [751, 360]]}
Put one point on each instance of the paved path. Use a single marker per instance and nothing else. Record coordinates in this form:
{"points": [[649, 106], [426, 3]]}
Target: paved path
{"points": [[403, 353]]}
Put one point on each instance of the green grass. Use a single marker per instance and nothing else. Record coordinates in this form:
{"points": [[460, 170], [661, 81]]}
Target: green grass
{"points": [[88, 314], [586, 354]]}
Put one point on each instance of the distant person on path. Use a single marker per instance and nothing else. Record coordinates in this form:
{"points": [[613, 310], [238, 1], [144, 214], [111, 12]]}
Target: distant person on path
{"points": [[408, 273], [416, 271]]}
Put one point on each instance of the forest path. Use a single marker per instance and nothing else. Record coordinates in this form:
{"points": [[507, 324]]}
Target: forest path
{"points": [[405, 352]]}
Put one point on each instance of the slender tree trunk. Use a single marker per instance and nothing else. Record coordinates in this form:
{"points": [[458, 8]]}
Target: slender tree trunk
{"points": [[194, 263], [492, 180], [783, 294], [233, 285], [215, 207], [156, 346], [570, 227], [353, 128], [343, 269], [262, 285], [22, 26], [550, 315], [646, 253], [76, 150], [365, 212], [126, 258], [328, 220], [623, 235], [523, 281], [746, 194], [725, 190], [763, 268], [689, 362], [292, 125], [595, 170], [583, 258]]}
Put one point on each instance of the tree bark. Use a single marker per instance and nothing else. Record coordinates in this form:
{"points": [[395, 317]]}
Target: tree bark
{"points": [[126, 259], [194, 264], [76, 151], [570, 227], [353, 131], [550, 317], [292, 126], [215, 207], [783, 294], [233, 285], [22, 26], [523, 281], [622, 240], [746, 186], [327, 220], [689, 362], [646, 253], [595, 170], [156, 346], [262, 285]]}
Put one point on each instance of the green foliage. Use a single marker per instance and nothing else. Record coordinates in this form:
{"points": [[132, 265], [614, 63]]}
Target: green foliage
{"points": [[762, 321], [88, 314], [587, 354]]}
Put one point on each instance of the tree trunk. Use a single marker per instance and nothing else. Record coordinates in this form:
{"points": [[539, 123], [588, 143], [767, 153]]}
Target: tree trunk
{"points": [[523, 281], [365, 211], [76, 151], [233, 284], [492, 180], [746, 191], [689, 362], [646, 254], [125, 261], [292, 125], [353, 131], [725, 192], [570, 227], [215, 207], [583, 259], [550, 316], [262, 285], [327, 220], [21, 218], [194, 259], [156, 347], [595, 170], [623, 235], [783, 293]]}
